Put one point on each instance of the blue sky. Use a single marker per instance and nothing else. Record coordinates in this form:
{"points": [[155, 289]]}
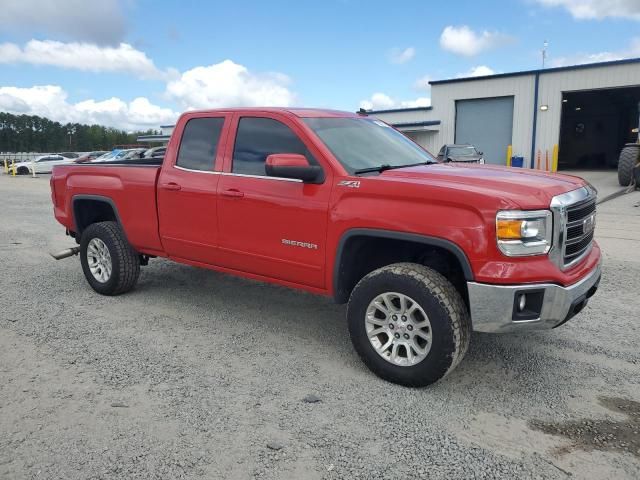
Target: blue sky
{"points": [[137, 63]]}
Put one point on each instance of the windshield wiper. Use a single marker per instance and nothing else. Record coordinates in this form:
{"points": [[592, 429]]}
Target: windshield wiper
{"points": [[386, 166]]}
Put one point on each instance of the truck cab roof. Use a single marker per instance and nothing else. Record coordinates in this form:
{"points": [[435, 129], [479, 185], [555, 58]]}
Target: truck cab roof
{"points": [[296, 111]]}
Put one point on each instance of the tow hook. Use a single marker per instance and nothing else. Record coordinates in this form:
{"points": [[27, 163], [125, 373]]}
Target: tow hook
{"points": [[67, 252]]}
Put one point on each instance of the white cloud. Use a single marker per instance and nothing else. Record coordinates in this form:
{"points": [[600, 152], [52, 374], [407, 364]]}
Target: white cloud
{"points": [[479, 71], [382, 101], [597, 9], [464, 41], [50, 101], [631, 52], [81, 56], [228, 84], [422, 83], [95, 21], [400, 56]]}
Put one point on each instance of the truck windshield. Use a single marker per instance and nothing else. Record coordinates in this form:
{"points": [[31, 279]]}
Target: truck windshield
{"points": [[361, 143]]}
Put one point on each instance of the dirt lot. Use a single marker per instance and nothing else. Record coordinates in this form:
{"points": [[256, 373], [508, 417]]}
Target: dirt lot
{"points": [[200, 375]]}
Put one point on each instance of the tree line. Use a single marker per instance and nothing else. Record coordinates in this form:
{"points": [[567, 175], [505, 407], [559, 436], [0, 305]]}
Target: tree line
{"points": [[31, 133]]}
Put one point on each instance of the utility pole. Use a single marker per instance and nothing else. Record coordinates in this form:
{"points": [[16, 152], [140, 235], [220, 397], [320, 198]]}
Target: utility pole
{"points": [[544, 52]]}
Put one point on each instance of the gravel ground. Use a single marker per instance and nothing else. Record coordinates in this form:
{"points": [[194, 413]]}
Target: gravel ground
{"points": [[200, 375]]}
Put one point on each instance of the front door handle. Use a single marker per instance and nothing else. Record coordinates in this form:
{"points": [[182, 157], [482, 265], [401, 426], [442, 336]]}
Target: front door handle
{"points": [[171, 186], [232, 192]]}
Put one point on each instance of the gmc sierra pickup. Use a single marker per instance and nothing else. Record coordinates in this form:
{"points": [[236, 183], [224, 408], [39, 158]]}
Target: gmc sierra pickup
{"points": [[343, 205]]}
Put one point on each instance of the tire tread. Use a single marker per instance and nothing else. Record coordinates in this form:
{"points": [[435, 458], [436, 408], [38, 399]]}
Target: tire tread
{"points": [[447, 296]]}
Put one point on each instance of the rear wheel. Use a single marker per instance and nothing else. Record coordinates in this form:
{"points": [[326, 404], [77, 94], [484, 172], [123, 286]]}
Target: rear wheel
{"points": [[109, 263], [628, 160], [409, 324], [23, 171]]}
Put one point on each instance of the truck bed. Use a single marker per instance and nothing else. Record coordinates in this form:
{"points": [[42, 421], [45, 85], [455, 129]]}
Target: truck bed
{"points": [[129, 186]]}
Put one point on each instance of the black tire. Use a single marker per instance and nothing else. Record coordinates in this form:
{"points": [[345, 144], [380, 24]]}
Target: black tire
{"points": [[447, 313], [628, 160], [23, 171], [125, 261]]}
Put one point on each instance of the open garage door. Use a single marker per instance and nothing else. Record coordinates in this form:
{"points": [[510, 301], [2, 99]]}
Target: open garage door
{"points": [[486, 123], [595, 125]]}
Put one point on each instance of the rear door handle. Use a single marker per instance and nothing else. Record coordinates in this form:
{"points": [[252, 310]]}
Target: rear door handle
{"points": [[170, 186], [233, 193]]}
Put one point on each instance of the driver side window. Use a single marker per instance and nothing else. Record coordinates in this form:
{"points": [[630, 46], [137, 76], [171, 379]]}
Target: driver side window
{"points": [[257, 138]]}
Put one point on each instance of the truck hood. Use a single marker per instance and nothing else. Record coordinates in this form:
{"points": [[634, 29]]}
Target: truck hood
{"points": [[525, 187]]}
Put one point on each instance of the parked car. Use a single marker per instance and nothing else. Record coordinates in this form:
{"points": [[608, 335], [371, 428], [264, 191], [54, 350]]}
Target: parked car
{"points": [[460, 153], [89, 156], [134, 153], [70, 154], [155, 152], [42, 164], [114, 154], [343, 205]]}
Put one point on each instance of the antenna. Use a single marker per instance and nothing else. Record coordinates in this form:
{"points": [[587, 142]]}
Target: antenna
{"points": [[544, 52]]}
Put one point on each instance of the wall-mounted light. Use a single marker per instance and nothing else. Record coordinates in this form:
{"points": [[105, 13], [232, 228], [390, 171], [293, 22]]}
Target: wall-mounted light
{"points": [[564, 100], [578, 109], [544, 108]]}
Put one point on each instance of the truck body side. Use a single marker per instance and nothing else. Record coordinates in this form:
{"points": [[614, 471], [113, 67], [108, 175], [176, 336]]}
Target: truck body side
{"points": [[321, 237]]}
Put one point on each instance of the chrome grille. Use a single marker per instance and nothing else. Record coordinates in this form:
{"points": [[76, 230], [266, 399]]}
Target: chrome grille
{"points": [[573, 221], [579, 230]]}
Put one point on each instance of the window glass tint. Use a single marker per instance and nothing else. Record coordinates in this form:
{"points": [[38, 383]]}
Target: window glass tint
{"points": [[199, 143], [257, 138]]}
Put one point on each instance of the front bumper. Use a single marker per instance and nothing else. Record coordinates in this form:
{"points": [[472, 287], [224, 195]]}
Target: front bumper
{"points": [[493, 307]]}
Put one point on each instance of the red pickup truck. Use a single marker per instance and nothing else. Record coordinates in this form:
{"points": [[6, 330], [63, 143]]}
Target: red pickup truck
{"points": [[343, 205]]}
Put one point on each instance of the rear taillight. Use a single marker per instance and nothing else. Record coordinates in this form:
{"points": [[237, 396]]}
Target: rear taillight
{"points": [[52, 184]]}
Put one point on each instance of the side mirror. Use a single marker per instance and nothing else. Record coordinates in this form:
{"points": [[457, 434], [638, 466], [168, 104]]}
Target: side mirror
{"points": [[480, 153], [293, 165]]}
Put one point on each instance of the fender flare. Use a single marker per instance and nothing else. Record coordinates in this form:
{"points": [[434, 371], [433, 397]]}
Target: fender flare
{"points": [[426, 240], [96, 198]]}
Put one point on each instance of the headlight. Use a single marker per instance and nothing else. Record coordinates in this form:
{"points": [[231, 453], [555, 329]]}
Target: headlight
{"points": [[481, 161], [521, 233]]}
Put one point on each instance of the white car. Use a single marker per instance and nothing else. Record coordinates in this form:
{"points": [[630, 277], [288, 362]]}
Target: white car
{"points": [[43, 164]]}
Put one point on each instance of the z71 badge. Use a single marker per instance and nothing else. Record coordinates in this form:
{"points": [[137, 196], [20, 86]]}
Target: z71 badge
{"points": [[349, 183]]}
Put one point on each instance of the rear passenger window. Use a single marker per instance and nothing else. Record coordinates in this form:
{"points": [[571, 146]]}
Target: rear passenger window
{"points": [[199, 143], [257, 138]]}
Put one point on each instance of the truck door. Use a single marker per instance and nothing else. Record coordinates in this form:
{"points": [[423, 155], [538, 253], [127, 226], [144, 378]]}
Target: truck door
{"points": [[274, 227], [187, 189]]}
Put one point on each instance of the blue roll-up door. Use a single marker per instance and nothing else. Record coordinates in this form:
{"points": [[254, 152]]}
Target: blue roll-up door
{"points": [[486, 123]]}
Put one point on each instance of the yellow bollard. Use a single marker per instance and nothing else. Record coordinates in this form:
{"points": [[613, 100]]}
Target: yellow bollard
{"points": [[509, 154], [6, 166], [13, 168], [554, 159]]}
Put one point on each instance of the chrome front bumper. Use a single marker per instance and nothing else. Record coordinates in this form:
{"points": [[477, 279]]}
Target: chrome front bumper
{"points": [[492, 306]]}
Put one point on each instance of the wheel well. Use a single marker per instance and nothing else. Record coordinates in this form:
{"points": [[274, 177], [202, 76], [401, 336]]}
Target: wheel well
{"points": [[359, 255], [87, 211]]}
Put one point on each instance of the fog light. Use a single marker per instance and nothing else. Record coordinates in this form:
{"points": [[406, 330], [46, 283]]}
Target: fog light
{"points": [[522, 302]]}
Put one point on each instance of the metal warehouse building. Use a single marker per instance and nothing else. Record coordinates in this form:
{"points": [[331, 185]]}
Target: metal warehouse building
{"points": [[588, 112]]}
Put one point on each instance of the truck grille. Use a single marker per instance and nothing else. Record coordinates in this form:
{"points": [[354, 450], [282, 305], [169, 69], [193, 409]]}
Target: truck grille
{"points": [[579, 230]]}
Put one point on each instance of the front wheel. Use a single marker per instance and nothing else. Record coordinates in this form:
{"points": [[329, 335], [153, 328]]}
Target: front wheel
{"points": [[109, 263], [409, 324]]}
